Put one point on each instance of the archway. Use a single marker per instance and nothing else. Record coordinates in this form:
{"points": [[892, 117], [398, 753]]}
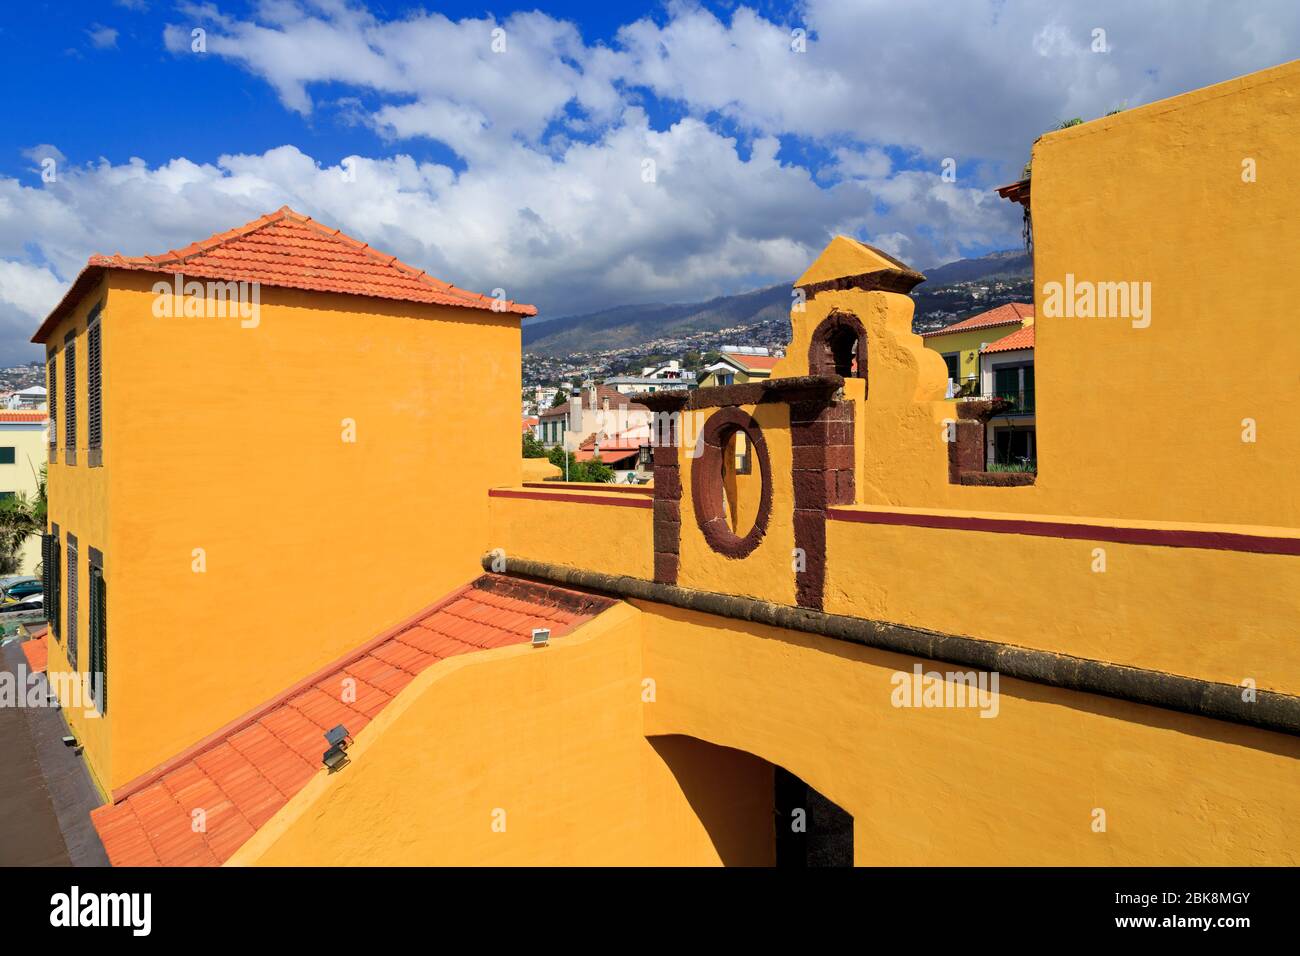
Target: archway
{"points": [[839, 347], [756, 812]]}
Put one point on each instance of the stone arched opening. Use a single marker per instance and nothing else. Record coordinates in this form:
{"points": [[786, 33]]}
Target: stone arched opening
{"points": [[708, 476], [839, 347]]}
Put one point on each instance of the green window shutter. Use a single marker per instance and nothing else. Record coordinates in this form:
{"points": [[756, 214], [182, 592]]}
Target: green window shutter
{"points": [[94, 386], [56, 584], [72, 602], [52, 399], [98, 640], [70, 396], [46, 576]]}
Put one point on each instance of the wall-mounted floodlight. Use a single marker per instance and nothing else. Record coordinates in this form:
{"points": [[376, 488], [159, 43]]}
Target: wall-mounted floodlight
{"points": [[336, 756], [541, 636]]}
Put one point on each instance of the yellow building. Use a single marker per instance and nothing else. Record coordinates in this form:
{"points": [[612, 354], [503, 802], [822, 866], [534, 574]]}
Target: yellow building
{"points": [[23, 440], [959, 344], [1092, 666], [342, 373], [736, 367]]}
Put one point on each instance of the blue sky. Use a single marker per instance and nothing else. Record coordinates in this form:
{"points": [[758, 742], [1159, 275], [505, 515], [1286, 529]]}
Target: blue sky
{"points": [[523, 165]]}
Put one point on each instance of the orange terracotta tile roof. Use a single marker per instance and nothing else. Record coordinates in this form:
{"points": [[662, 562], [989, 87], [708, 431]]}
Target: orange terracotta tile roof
{"points": [[289, 250], [37, 654], [245, 773], [1012, 312], [23, 418], [1019, 339], [762, 363]]}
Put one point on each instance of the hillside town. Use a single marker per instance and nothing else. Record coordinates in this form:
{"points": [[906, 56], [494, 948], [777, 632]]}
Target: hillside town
{"points": [[982, 328]]}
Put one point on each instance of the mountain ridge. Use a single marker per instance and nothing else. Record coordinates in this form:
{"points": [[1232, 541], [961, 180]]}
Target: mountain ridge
{"points": [[623, 326]]}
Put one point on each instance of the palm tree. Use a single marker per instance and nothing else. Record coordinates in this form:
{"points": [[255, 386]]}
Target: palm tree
{"points": [[20, 517]]}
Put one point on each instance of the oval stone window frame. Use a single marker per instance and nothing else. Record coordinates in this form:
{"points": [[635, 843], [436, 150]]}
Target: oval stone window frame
{"points": [[706, 483]]}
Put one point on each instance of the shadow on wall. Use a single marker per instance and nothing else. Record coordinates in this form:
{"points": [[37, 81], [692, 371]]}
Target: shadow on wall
{"points": [[756, 814]]}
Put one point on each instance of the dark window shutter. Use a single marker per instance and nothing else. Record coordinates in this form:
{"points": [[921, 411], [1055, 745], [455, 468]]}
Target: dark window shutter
{"points": [[98, 640], [52, 611], [47, 575], [94, 384], [72, 601], [70, 395], [52, 398]]}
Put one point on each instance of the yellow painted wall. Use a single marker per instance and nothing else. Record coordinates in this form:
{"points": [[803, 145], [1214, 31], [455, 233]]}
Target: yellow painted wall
{"points": [[80, 500], [565, 743], [932, 786], [231, 440], [550, 737], [617, 540], [538, 469], [1148, 422], [1188, 611], [767, 571]]}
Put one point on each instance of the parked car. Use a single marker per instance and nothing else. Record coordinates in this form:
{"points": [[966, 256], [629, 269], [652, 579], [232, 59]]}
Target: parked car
{"points": [[32, 602], [29, 610], [16, 592], [11, 580]]}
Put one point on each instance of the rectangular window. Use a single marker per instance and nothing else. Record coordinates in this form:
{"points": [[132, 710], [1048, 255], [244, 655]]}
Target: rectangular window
{"points": [[53, 578], [6, 495], [7, 455], [52, 393], [70, 397], [94, 391], [72, 602], [98, 633]]}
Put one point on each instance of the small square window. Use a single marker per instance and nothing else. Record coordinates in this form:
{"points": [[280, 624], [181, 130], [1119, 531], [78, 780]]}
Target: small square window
{"points": [[7, 455]]}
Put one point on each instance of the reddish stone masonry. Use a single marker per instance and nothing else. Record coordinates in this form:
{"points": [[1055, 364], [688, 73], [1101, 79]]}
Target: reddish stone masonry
{"points": [[823, 469], [706, 483], [966, 451], [822, 438], [667, 509]]}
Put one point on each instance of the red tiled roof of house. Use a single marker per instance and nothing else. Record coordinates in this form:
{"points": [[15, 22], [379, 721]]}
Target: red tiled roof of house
{"points": [[529, 422], [241, 776], [1012, 312], [608, 456], [1015, 192], [23, 418], [759, 363], [37, 653], [287, 249], [1019, 339]]}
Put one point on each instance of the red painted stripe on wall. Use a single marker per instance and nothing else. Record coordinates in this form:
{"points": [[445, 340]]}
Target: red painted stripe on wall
{"points": [[630, 501], [1160, 537]]}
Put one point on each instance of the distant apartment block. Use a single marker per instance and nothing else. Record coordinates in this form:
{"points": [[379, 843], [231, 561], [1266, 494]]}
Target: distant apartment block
{"points": [[653, 379]]}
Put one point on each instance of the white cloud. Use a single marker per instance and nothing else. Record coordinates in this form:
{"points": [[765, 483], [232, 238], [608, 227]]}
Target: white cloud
{"points": [[102, 37], [550, 203]]}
